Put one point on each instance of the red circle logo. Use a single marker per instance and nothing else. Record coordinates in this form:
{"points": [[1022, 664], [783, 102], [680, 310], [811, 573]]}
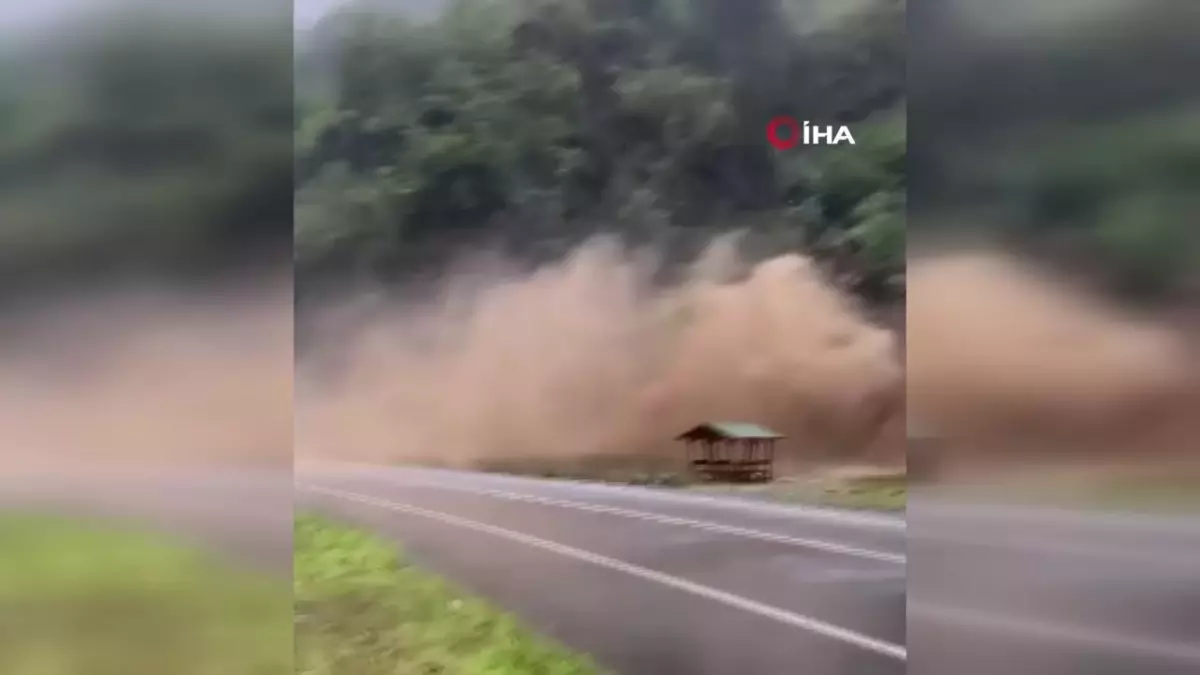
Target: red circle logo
{"points": [[776, 130]]}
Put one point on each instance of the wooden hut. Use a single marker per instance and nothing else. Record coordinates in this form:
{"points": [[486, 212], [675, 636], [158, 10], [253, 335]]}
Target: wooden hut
{"points": [[731, 451]]}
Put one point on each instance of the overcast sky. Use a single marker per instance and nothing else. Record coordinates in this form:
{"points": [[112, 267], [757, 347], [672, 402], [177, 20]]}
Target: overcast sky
{"points": [[19, 15], [308, 11]]}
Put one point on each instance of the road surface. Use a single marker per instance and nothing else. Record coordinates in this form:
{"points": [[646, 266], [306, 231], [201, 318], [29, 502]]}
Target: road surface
{"points": [[663, 582], [997, 591], [649, 584]]}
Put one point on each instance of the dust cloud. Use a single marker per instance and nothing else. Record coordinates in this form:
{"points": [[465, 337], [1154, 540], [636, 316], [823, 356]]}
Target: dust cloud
{"points": [[596, 356], [148, 378], [1004, 356], [592, 356]]}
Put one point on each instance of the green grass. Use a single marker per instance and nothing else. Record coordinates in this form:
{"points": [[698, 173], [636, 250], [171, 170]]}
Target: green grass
{"points": [[361, 609], [79, 598], [1164, 494], [874, 493]]}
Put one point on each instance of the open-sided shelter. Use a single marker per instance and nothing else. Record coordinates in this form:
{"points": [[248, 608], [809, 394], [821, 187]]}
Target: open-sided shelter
{"points": [[731, 451]]}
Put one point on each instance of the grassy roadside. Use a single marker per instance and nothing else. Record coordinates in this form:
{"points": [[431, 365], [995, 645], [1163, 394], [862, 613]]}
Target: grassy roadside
{"points": [[1165, 496], [874, 491], [886, 492], [80, 598], [362, 610]]}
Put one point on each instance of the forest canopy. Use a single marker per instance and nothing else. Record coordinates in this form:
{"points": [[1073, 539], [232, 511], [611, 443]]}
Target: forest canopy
{"points": [[380, 144], [530, 126]]}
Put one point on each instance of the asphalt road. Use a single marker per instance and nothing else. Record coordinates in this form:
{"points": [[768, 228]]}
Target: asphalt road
{"points": [[648, 583], [660, 582], [996, 591]]}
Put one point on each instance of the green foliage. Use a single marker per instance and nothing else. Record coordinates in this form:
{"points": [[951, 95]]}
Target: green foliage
{"points": [[81, 598], [1148, 243], [1045, 134], [543, 121], [146, 138], [880, 232], [363, 610], [1119, 198]]}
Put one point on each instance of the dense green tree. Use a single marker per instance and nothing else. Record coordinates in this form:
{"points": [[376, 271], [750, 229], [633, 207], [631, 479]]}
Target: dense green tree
{"points": [[533, 125], [143, 138], [1068, 133]]}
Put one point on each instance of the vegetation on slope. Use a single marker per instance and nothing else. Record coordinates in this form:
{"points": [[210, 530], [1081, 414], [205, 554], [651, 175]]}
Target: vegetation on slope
{"points": [[81, 598], [361, 609], [530, 126]]}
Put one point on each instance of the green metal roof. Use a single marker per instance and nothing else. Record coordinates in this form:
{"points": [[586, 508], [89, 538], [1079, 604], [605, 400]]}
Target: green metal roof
{"points": [[733, 430]]}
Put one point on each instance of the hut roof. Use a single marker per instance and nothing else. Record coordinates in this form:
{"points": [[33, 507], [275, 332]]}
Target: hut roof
{"points": [[728, 431]]}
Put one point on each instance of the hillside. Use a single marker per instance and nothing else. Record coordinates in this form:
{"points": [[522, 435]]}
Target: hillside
{"points": [[528, 127]]}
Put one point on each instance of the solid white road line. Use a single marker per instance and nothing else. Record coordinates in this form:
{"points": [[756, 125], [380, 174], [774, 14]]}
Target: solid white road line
{"points": [[1036, 629], [815, 544], [783, 616]]}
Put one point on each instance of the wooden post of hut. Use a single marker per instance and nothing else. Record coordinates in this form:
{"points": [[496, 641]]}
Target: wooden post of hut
{"points": [[735, 452]]}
